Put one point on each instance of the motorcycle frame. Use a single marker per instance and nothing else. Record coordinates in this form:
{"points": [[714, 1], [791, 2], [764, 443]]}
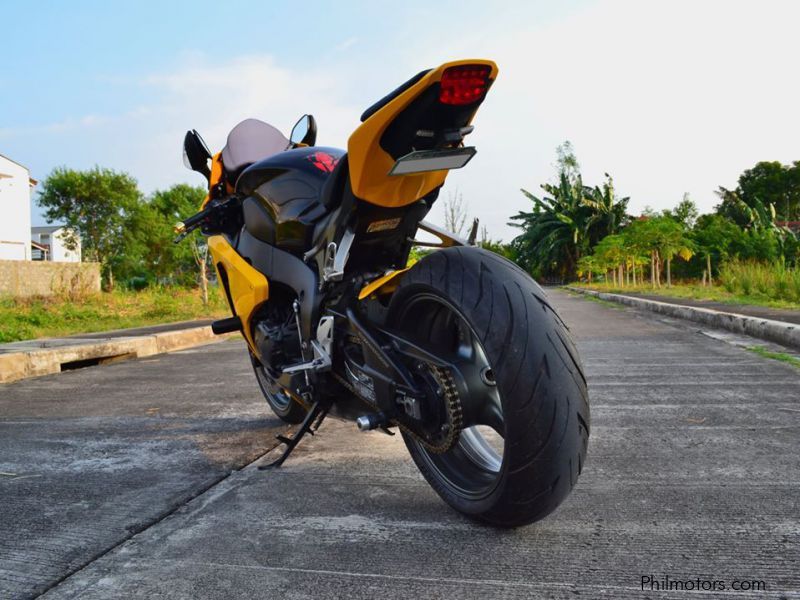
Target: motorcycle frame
{"points": [[368, 188]]}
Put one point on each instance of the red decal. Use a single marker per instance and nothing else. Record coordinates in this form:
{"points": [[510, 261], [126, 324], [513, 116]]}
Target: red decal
{"points": [[323, 161]]}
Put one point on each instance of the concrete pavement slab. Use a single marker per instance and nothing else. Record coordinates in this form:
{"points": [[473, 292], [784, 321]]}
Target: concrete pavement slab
{"points": [[692, 475], [89, 457]]}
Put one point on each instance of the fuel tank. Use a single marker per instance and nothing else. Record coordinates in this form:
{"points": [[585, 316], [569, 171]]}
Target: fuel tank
{"points": [[285, 195]]}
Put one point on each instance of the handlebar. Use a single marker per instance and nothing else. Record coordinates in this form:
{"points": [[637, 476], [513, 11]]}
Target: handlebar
{"points": [[218, 216], [185, 227]]}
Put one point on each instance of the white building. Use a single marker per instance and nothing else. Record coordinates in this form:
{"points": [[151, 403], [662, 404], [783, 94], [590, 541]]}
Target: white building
{"points": [[15, 210], [51, 242]]}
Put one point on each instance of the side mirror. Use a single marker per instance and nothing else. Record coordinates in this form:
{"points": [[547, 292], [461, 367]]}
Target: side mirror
{"points": [[304, 131], [196, 154]]}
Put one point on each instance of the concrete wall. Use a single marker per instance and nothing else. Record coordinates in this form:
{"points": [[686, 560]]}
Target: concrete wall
{"points": [[21, 278], [15, 211]]}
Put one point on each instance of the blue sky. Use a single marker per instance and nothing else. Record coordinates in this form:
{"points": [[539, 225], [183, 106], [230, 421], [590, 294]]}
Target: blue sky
{"points": [[668, 97]]}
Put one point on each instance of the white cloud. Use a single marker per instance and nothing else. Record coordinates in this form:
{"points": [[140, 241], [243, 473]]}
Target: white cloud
{"points": [[345, 44], [667, 97], [213, 99]]}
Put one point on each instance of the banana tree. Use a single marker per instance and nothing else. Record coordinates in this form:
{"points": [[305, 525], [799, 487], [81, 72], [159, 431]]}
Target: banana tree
{"points": [[555, 231], [608, 210]]}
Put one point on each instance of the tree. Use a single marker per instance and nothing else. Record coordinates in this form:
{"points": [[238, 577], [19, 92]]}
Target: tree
{"points": [[455, 212], [686, 212], [662, 238], [498, 247], [772, 183], [565, 224], [165, 260], [590, 266], [674, 242], [554, 233], [97, 204], [609, 210], [732, 207], [714, 236], [610, 254], [567, 162], [768, 182]]}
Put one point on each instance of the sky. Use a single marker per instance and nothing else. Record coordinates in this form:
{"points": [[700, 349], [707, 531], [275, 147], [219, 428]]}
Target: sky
{"points": [[668, 97]]}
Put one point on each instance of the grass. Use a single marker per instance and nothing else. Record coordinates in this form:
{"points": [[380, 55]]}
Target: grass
{"points": [[595, 299], [30, 318], [772, 280], [781, 356], [696, 291]]}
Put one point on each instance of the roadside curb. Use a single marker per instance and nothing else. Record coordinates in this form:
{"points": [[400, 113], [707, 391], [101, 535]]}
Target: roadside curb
{"points": [[45, 361], [787, 334]]}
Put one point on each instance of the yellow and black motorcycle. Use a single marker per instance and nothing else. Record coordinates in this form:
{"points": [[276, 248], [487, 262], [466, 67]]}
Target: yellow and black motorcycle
{"points": [[461, 351]]}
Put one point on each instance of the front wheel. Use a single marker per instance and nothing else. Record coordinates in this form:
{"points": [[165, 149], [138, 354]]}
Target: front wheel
{"points": [[284, 407], [526, 414]]}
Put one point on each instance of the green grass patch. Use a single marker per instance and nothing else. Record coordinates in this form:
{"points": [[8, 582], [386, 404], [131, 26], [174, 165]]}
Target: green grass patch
{"points": [[781, 356], [696, 291], [595, 299], [31, 318]]}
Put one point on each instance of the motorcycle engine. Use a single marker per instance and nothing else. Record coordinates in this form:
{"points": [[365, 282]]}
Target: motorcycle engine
{"points": [[275, 334]]}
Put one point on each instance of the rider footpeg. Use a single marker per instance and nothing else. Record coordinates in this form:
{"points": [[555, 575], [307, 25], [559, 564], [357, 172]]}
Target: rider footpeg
{"points": [[228, 325], [320, 362]]}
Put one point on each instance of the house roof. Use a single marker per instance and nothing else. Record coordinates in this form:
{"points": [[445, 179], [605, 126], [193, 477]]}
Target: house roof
{"points": [[46, 228], [15, 162]]}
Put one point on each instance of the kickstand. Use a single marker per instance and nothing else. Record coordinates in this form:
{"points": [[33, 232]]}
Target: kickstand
{"points": [[310, 424]]}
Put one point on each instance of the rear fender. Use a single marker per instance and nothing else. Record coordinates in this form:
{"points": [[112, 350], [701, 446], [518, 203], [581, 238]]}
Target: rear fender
{"points": [[369, 159]]}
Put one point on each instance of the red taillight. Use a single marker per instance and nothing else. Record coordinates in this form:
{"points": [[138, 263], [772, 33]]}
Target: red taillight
{"points": [[464, 85]]}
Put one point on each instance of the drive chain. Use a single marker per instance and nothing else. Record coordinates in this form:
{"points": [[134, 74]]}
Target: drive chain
{"points": [[452, 428]]}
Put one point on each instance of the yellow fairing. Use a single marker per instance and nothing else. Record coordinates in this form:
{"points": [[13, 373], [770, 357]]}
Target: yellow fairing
{"points": [[248, 287], [382, 285], [216, 175], [370, 164]]}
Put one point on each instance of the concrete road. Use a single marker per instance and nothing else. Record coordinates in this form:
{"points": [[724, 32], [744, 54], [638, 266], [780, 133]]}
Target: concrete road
{"points": [[90, 457], [693, 474]]}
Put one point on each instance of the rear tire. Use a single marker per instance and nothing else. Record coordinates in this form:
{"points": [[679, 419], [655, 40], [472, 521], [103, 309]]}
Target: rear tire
{"points": [[538, 375], [284, 407]]}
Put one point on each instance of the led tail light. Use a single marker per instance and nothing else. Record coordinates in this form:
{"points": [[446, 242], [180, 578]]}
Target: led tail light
{"points": [[464, 84]]}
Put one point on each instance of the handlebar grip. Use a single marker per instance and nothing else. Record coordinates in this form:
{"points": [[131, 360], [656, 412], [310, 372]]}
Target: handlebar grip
{"points": [[195, 219]]}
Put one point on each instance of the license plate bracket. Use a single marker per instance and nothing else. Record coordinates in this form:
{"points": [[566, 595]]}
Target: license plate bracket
{"points": [[423, 161]]}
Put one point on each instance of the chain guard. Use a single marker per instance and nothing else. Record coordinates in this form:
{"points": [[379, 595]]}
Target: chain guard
{"points": [[454, 410]]}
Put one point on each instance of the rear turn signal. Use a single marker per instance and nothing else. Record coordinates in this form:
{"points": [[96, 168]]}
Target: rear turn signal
{"points": [[464, 84]]}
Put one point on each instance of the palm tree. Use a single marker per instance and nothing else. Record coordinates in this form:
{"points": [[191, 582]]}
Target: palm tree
{"points": [[555, 232], [564, 226], [609, 210]]}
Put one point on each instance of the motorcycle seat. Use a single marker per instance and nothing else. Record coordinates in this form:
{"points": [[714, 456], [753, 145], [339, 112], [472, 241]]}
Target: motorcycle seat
{"points": [[249, 142]]}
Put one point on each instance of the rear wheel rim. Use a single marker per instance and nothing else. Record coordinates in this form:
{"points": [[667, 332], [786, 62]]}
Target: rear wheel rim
{"points": [[472, 468]]}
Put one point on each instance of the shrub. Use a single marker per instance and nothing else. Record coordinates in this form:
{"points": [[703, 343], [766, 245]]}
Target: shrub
{"points": [[772, 280]]}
